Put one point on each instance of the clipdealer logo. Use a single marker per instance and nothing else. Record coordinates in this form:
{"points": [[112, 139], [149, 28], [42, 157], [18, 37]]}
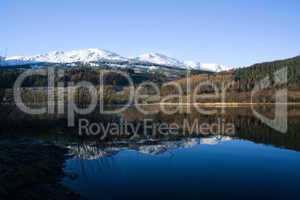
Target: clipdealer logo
{"points": [[56, 96], [280, 121]]}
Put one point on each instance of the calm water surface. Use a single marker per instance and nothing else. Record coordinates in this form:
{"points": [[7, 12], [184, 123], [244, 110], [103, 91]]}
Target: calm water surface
{"points": [[255, 163]]}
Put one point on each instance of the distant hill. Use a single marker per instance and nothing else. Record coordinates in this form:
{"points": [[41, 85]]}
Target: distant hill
{"points": [[256, 72]]}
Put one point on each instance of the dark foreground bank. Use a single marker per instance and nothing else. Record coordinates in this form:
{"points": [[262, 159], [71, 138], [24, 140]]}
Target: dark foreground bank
{"points": [[32, 171]]}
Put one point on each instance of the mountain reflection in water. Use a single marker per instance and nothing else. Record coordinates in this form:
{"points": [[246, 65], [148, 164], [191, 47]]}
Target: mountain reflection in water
{"points": [[150, 147], [210, 168]]}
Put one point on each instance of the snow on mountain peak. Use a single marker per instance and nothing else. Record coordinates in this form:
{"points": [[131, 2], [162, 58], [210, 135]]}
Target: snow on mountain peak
{"points": [[95, 55], [213, 67], [160, 59], [205, 66], [193, 65], [81, 55]]}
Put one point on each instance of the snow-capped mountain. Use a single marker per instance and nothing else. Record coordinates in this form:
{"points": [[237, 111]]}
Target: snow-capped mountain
{"points": [[100, 55], [82, 55], [158, 58], [205, 66], [193, 65], [214, 67]]}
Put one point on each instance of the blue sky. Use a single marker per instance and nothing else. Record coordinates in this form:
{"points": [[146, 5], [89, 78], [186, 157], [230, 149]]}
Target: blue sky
{"points": [[229, 32]]}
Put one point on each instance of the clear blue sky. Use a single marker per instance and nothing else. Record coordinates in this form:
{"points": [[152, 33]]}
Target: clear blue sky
{"points": [[212, 31]]}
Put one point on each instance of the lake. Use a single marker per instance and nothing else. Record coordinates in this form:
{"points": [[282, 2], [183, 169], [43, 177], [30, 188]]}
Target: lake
{"points": [[251, 161], [256, 162]]}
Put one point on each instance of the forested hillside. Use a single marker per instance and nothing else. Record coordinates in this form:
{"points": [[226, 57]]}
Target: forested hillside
{"points": [[248, 76], [241, 82]]}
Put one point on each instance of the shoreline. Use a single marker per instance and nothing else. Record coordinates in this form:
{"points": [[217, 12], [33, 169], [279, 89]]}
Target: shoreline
{"points": [[228, 104]]}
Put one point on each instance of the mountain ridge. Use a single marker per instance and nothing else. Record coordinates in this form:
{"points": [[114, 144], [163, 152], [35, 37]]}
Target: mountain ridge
{"points": [[96, 55]]}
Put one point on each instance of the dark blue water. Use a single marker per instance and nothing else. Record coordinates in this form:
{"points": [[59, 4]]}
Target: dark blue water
{"points": [[187, 169]]}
